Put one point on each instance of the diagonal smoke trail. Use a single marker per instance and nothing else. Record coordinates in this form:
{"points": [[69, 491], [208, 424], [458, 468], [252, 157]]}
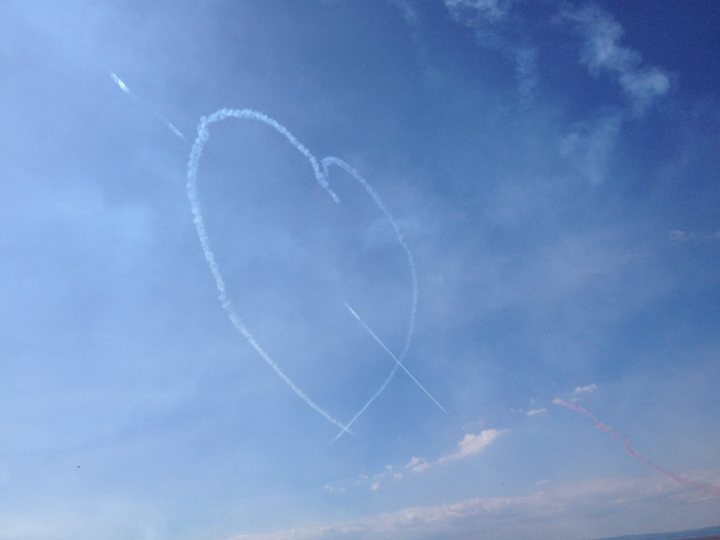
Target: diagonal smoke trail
{"points": [[602, 426], [172, 128], [124, 87], [326, 163], [321, 177], [121, 84], [392, 355], [193, 162]]}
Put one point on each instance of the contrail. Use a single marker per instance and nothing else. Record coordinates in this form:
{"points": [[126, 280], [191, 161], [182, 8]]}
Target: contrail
{"points": [[321, 172], [193, 162], [120, 83], [326, 163], [124, 87], [172, 128], [602, 426], [392, 355], [321, 175]]}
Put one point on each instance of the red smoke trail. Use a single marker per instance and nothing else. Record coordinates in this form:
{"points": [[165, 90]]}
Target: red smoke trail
{"points": [[602, 426]]}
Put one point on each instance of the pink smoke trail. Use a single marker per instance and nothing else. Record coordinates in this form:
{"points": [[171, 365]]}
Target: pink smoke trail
{"points": [[602, 426]]}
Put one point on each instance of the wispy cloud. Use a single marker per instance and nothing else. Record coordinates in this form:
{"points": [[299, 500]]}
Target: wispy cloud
{"points": [[681, 236], [526, 71], [332, 489], [588, 146], [499, 27], [417, 464], [472, 444], [535, 412], [603, 53], [474, 12], [598, 507], [494, 27], [587, 389]]}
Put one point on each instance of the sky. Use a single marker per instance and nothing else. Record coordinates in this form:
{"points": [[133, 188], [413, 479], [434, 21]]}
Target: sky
{"points": [[358, 270]]}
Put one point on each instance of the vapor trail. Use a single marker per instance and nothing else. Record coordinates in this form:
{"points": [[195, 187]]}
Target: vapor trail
{"points": [[392, 355], [193, 162], [321, 172], [172, 128], [326, 163], [124, 87], [321, 177], [120, 82], [602, 426]]}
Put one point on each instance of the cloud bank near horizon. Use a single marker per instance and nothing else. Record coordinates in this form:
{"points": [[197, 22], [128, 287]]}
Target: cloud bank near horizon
{"points": [[548, 511]]}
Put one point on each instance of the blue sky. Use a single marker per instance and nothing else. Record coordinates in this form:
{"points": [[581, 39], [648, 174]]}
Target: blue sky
{"points": [[551, 168]]}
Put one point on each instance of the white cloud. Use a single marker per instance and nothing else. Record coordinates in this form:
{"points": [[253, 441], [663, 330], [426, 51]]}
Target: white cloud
{"points": [[598, 507], [589, 146], [469, 445], [407, 10], [417, 464], [535, 412], [602, 52], [526, 70], [471, 12], [587, 389], [681, 236], [496, 29], [472, 444], [330, 489]]}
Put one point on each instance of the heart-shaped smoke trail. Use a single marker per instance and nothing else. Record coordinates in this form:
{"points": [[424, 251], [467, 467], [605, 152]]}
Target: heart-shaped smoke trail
{"points": [[321, 177], [321, 171]]}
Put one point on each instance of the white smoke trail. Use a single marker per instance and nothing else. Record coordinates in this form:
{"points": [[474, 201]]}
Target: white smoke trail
{"points": [[321, 177], [124, 87], [172, 128], [120, 82], [193, 162], [326, 163], [168, 124], [392, 355]]}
